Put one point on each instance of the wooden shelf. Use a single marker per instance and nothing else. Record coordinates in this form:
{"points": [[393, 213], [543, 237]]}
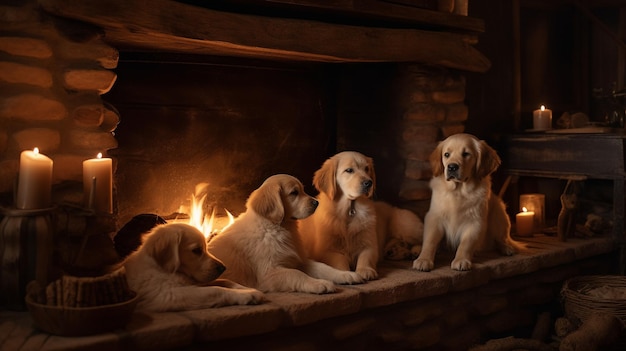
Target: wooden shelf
{"points": [[170, 26]]}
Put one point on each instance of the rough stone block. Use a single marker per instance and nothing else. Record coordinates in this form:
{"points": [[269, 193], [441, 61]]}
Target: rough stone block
{"points": [[111, 118], [422, 313], [100, 81], [235, 321], [46, 139], [24, 74], [456, 113], [92, 140], [417, 170], [95, 50], [31, 107], [27, 47], [414, 131], [88, 116], [452, 129], [305, 308], [448, 97], [418, 150], [425, 113], [417, 97], [415, 190], [487, 305], [354, 328], [456, 318]]}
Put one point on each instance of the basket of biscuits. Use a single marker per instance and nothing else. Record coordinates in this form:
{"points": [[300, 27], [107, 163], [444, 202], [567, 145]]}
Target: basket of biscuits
{"points": [[78, 306]]}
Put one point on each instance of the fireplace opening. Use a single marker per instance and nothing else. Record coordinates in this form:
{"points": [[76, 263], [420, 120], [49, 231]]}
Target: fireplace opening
{"points": [[188, 120]]}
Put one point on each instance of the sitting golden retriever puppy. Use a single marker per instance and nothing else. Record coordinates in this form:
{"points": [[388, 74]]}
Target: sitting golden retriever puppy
{"points": [[349, 231], [172, 271], [463, 208], [261, 248]]}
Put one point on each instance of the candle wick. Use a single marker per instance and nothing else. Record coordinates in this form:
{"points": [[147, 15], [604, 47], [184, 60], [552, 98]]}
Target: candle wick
{"points": [[92, 193]]}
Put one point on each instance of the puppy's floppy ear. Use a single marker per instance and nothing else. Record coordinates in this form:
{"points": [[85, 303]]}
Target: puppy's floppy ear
{"points": [[162, 245], [325, 180], [488, 160], [435, 160], [266, 202]]}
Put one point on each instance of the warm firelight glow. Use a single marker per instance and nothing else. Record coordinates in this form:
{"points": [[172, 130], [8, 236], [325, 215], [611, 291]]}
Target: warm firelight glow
{"points": [[199, 218]]}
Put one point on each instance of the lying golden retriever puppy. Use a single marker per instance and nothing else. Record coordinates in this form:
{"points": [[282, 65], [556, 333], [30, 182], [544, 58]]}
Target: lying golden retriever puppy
{"points": [[261, 248], [463, 208], [349, 230], [172, 271]]}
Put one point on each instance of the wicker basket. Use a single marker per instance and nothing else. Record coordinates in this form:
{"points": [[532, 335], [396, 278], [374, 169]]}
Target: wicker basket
{"points": [[595, 293], [81, 321]]}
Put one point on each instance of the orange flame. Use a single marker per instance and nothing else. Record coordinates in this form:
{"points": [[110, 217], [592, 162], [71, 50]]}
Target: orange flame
{"points": [[200, 219]]}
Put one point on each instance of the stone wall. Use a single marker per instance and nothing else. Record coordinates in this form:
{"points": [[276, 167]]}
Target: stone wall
{"points": [[52, 76], [433, 109]]}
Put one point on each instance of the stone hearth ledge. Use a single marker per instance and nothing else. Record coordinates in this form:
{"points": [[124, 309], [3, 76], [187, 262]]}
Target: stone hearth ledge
{"points": [[397, 283]]}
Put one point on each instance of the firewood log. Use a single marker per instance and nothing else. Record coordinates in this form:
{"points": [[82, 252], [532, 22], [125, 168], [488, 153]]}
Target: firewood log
{"points": [[598, 332]]}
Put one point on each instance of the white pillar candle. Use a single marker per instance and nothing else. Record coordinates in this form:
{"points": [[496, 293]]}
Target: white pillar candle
{"points": [[98, 184], [537, 204], [34, 187], [542, 118], [524, 222]]}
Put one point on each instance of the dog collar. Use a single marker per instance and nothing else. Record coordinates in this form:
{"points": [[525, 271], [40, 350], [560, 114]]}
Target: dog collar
{"points": [[352, 211]]}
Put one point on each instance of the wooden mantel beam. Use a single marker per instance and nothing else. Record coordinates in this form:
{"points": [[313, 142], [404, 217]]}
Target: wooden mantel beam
{"points": [[170, 26]]}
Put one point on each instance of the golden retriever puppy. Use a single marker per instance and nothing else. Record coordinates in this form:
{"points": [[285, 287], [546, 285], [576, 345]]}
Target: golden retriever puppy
{"points": [[172, 271], [463, 208], [261, 248], [344, 231]]}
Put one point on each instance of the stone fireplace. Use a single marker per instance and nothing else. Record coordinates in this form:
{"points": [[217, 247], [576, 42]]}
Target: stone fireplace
{"points": [[174, 120]]}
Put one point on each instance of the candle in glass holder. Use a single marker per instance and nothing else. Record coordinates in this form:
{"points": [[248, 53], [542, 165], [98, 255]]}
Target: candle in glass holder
{"points": [[542, 118], [34, 187], [98, 184], [524, 222]]}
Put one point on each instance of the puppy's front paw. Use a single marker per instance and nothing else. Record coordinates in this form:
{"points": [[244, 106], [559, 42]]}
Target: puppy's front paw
{"points": [[350, 278], [367, 273], [461, 264], [423, 265], [248, 296], [320, 286]]}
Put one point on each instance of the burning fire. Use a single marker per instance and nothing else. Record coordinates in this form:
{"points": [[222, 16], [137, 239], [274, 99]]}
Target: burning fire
{"points": [[199, 218]]}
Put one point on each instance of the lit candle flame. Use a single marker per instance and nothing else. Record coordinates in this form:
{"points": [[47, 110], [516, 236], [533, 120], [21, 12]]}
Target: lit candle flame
{"points": [[99, 155], [36, 151], [524, 209], [543, 108]]}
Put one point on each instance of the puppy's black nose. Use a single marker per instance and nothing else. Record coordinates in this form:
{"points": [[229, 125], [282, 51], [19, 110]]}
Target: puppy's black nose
{"points": [[367, 184], [314, 203], [453, 167]]}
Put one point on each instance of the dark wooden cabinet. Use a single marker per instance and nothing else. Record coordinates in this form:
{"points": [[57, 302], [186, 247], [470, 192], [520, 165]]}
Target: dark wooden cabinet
{"points": [[573, 156]]}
